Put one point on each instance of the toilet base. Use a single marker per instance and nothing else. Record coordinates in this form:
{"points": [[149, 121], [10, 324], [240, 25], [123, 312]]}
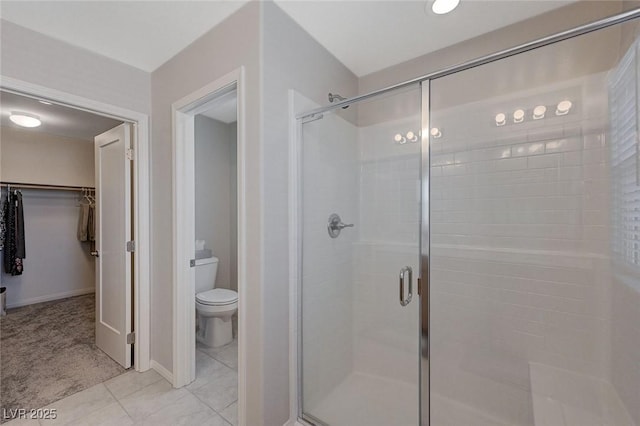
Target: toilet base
{"points": [[214, 331]]}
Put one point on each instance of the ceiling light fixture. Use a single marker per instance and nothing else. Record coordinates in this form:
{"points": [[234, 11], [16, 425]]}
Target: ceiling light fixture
{"points": [[25, 120], [539, 111], [563, 107], [518, 116], [501, 119], [412, 137], [399, 139], [441, 7], [436, 133]]}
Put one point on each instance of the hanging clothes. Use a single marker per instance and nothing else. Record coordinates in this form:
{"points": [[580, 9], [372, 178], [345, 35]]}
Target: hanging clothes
{"points": [[91, 225], [3, 225], [14, 250], [83, 222], [86, 220]]}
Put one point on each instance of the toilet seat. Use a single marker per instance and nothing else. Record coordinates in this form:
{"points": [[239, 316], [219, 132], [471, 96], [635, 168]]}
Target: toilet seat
{"points": [[217, 297]]}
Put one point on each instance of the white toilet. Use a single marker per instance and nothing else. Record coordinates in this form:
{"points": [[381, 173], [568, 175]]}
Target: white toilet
{"points": [[214, 306]]}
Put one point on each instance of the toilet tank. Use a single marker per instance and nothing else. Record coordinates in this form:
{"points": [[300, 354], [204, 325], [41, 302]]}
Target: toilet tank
{"points": [[206, 270]]}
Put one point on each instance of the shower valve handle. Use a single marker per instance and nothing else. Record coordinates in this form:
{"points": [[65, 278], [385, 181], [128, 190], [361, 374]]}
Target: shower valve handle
{"points": [[344, 225], [335, 225]]}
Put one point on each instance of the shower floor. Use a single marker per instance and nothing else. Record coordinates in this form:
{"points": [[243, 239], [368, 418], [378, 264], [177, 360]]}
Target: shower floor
{"points": [[363, 399], [566, 398]]}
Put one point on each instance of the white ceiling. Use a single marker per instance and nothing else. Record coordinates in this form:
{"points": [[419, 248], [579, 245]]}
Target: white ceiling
{"points": [[56, 119], [144, 34], [225, 110], [368, 36], [365, 35]]}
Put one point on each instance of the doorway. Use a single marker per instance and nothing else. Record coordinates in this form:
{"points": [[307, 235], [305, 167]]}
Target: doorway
{"points": [[56, 189], [209, 214]]}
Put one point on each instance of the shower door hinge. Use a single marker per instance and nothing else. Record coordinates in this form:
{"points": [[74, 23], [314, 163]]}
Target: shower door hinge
{"points": [[131, 246], [311, 118], [131, 338], [130, 153]]}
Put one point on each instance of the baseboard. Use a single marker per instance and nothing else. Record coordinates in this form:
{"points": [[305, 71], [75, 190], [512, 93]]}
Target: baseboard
{"points": [[50, 297], [159, 368]]}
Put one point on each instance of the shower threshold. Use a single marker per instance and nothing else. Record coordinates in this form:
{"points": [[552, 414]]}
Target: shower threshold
{"points": [[366, 400]]}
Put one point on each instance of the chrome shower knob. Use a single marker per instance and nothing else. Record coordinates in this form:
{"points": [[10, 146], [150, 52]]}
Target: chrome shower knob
{"points": [[335, 225]]}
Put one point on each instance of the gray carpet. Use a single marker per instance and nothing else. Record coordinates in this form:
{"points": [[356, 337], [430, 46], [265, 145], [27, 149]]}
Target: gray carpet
{"points": [[48, 352]]}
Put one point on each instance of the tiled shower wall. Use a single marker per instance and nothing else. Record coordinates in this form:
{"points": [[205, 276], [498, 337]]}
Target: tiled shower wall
{"points": [[520, 243], [626, 338], [625, 344], [386, 333]]}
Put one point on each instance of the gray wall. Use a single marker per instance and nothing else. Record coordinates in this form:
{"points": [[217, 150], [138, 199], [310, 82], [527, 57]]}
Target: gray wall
{"points": [[304, 66], [34, 157], [33, 57], [216, 195], [231, 44]]}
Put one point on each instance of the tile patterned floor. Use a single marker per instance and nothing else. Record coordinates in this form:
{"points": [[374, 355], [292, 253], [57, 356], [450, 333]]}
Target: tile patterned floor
{"points": [[148, 399]]}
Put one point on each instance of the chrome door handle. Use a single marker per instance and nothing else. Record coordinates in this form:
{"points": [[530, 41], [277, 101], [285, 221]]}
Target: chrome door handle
{"points": [[403, 272], [95, 253]]}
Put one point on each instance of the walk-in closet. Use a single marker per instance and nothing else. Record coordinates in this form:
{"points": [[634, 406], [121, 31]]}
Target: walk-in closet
{"points": [[49, 252]]}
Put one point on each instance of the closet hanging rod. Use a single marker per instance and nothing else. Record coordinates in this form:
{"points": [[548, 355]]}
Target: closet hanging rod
{"points": [[20, 185]]}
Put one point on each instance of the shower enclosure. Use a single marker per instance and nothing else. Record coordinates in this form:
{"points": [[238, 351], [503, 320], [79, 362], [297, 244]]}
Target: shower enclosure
{"points": [[492, 272]]}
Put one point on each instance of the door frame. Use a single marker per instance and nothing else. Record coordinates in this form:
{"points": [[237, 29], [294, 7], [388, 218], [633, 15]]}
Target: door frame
{"points": [[141, 199], [183, 114]]}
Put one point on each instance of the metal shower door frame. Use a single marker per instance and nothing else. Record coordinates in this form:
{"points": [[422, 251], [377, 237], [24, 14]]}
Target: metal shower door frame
{"points": [[423, 285]]}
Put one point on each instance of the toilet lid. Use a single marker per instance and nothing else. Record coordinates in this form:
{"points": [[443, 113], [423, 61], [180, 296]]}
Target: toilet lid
{"points": [[217, 296]]}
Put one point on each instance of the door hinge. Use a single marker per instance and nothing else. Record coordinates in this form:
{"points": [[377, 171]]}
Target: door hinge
{"points": [[130, 153], [131, 246], [131, 338]]}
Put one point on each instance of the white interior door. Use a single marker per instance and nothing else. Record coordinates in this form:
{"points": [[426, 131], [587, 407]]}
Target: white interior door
{"points": [[113, 231]]}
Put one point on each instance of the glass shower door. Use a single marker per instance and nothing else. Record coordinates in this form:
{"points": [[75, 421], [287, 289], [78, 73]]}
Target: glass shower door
{"points": [[360, 223], [535, 213]]}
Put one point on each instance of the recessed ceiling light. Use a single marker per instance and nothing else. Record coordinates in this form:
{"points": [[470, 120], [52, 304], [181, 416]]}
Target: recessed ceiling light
{"points": [[501, 119], [25, 120], [436, 133], [44, 102], [399, 139], [441, 7]]}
